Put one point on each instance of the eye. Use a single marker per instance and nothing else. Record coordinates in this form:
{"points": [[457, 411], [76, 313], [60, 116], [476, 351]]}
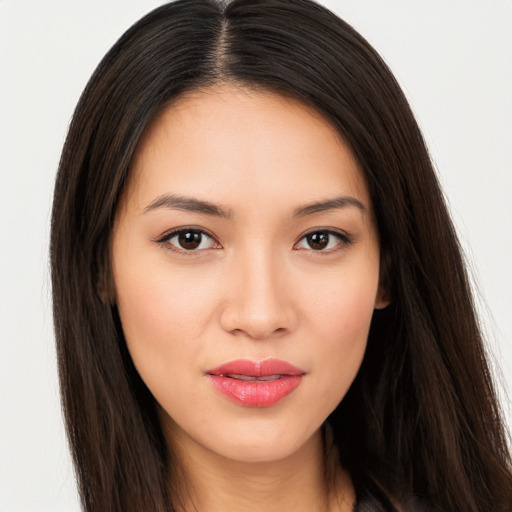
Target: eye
{"points": [[323, 241], [188, 240]]}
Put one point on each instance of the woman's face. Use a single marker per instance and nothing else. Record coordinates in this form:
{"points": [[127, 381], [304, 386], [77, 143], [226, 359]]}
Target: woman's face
{"points": [[246, 270]]}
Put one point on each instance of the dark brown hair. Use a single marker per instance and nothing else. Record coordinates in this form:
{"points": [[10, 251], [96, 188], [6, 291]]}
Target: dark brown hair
{"points": [[421, 419]]}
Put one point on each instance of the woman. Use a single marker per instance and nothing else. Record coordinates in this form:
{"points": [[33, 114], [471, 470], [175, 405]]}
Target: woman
{"points": [[259, 297]]}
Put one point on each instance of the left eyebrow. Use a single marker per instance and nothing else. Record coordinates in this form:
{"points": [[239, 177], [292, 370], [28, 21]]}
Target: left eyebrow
{"points": [[330, 204]]}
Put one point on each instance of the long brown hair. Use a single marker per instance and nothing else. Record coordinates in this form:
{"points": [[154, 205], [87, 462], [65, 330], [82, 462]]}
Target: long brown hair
{"points": [[421, 419]]}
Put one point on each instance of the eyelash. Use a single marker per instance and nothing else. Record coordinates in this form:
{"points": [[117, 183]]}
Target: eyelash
{"points": [[344, 240]]}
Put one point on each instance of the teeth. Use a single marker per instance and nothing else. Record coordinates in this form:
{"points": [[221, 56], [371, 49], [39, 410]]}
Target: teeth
{"points": [[251, 378], [270, 377]]}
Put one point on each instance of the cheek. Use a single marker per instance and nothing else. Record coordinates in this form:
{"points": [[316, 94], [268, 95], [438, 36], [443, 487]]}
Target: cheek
{"points": [[346, 313], [340, 316], [153, 297], [163, 317], [341, 302]]}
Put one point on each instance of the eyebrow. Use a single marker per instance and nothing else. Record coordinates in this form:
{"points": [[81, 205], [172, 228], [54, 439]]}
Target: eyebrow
{"points": [[188, 204], [329, 204], [191, 204]]}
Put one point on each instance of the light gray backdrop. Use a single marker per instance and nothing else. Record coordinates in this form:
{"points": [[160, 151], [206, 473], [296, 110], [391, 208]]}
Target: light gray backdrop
{"points": [[454, 60]]}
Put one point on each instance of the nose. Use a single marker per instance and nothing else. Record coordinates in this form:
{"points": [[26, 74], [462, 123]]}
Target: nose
{"points": [[258, 303]]}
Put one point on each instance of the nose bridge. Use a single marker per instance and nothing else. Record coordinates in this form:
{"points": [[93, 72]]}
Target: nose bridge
{"points": [[258, 304]]}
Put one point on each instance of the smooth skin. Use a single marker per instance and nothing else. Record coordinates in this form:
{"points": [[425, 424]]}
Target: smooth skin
{"points": [[246, 232]]}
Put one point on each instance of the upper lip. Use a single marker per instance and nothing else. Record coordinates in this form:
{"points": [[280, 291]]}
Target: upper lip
{"points": [[250, 368]]}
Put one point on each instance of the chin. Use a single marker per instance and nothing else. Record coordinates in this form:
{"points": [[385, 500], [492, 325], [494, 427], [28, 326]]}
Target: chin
{"points": [[262, 443]]}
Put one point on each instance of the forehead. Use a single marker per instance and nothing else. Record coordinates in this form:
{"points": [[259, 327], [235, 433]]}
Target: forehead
{"points": [[239, 145]]}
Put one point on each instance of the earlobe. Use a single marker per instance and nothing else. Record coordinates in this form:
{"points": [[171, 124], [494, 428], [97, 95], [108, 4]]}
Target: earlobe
{"points": [[105, 294], [382, 300], [384, 294], [105, 288]]}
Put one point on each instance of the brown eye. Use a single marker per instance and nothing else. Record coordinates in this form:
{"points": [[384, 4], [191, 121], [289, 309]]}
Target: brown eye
{"points": [[318, 241], [324, 241], [188, 240]]}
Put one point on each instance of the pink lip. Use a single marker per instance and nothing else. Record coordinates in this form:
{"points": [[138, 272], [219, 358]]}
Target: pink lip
{"points": [[255, 383]]}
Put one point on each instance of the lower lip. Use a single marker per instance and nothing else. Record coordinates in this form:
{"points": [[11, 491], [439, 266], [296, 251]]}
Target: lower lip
{"points": [[255, 393]]}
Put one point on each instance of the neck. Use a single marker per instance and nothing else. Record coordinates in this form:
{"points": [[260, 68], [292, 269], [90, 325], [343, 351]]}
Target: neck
{"points": [[303, 481]]}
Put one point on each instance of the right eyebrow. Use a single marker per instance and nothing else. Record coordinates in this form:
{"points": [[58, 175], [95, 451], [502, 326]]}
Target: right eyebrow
{"points": [[330, 204], [188, 204]]}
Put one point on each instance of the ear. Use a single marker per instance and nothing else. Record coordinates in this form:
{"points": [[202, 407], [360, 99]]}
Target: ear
{"points": [[384, 293], [106, 292], [382, 300], [105, 287]]}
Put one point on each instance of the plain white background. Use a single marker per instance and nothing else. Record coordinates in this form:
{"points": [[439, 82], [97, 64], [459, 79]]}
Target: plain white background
{"points": [[454, 61]]}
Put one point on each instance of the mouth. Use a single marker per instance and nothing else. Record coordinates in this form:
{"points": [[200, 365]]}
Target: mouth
{"points": [[248, 378], [256, 383]]}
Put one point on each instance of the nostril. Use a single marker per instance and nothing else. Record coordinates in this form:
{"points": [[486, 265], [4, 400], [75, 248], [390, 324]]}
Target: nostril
{"points": [[256, 327]]}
